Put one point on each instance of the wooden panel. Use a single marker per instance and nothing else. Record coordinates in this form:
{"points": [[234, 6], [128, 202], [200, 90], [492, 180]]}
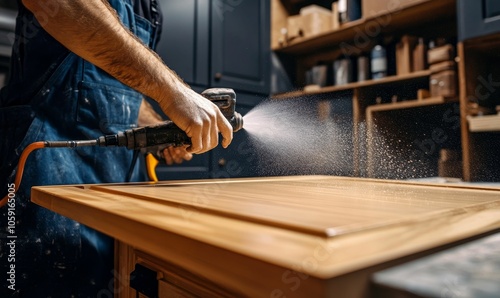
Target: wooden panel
{"points": [[318, 226], [327, 212]]}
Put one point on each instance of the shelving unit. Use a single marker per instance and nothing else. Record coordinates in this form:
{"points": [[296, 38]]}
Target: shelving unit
{"points": [[430, 19], [398, 19], [479, 76]]}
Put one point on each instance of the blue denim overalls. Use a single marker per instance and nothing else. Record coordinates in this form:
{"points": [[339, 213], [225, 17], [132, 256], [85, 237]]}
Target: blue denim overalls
{"points": [[55, 95]]}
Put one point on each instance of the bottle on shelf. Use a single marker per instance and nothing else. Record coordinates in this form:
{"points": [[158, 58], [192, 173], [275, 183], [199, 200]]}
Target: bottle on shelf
{"points": [[343, 11], [342, 71], [363, 72], [378, 62], [349, 10]]}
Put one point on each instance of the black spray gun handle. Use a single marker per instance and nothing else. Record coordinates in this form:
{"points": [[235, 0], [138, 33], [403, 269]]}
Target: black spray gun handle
{"points": [[152, 140], [167, 133]]}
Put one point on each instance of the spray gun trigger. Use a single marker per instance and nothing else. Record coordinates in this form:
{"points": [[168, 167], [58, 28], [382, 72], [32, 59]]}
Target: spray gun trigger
{"points": [[151, 163]]}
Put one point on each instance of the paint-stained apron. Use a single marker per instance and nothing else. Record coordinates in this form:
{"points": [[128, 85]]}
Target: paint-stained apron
{"points": [[55, 95]]}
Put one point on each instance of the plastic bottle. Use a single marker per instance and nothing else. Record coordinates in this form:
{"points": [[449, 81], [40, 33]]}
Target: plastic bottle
{"points": [[378, 62]]}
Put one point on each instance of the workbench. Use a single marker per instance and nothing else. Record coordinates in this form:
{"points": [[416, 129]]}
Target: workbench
{"points": [[302, 236]]}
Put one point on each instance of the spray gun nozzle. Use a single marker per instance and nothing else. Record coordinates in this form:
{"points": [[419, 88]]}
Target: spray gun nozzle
{"points": [[237, 122]]}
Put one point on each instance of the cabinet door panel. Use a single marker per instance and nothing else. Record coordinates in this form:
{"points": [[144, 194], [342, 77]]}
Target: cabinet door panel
{"points": [[184, 45], [478, 18], [240, 45], [491, 8]]}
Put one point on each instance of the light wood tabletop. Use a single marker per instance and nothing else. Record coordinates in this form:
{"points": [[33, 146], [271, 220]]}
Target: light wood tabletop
{"points": [[320, 226]]}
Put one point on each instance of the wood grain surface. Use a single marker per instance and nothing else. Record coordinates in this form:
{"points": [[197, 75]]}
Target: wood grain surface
{"points": [[320, 226]]}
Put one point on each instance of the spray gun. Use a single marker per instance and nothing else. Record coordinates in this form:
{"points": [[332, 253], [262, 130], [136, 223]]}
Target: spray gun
{"points": [[167, 133], [152, 139]]}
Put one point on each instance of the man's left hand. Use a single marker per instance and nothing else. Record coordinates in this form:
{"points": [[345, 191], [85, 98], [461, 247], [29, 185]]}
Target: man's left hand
{"points": [[176, 155], [148, 116]]}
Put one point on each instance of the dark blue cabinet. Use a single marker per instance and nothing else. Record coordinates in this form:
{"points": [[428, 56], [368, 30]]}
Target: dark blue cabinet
{"points": [[478, 18], [184, 45], [241, 51], [218, 43]]}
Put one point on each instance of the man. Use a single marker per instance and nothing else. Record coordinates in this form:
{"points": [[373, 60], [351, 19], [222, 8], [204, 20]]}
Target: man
{"points": [[80, 69]]}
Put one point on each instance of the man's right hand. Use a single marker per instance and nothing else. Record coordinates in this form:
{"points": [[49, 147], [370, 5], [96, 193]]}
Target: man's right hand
{"points": [[199, 118]]}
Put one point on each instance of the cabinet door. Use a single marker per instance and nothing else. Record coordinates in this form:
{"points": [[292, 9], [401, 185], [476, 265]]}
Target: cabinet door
{"points": [[478, 18], [184, 44], [241, 45]]}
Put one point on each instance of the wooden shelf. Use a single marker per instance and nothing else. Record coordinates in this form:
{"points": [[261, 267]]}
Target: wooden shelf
{"points": [[356, 85], [488, 123], [429, 11], [410, 104]]}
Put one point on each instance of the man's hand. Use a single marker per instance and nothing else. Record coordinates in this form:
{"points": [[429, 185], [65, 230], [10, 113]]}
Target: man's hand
{"points": [[176, 155], [199, 118]]}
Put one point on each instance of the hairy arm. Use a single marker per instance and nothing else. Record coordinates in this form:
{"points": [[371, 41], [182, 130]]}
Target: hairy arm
{"points": [[91, 29]]}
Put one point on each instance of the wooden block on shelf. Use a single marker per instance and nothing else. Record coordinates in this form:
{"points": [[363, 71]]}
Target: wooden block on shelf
{"points": [[423, 94], [294, 27], [308, 25], [442, 66], [444, 84], [443, 80], [335, 16], [314, 9], [419, 56], [404, 54], [440, 54], [372, 8], [315, 24]]}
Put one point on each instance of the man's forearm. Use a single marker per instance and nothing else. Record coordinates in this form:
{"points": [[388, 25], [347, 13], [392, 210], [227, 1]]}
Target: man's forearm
{"points": [[91, 29]]}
